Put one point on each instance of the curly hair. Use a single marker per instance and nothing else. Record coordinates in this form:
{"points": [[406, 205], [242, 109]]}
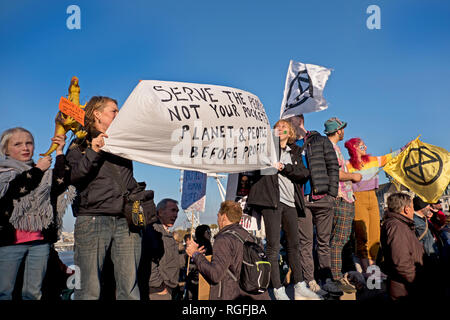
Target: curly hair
{"points": [[352, 146]]}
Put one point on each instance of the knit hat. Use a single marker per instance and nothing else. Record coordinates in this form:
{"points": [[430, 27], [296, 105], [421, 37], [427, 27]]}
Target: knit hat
{"points": [[419, 204], [334, 124]]}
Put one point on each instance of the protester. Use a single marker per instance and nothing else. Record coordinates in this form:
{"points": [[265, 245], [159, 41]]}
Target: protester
{"points": [[438, 218], [402, 251], [441, 230], [423, 229], [439, 222], [278, 198], [367, 213], [32, 205], [320, 191], [159, 246], [435, 264], [100, 223], [227, 255], [203, 238], [344, 207]]}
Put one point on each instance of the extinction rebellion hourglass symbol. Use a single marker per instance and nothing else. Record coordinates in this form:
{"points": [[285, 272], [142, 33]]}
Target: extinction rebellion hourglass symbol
{"points": [[422, 166], [305, 86]]}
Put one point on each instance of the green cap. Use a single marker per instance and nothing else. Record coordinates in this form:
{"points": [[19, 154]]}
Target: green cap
{"points": [[334, 124]]}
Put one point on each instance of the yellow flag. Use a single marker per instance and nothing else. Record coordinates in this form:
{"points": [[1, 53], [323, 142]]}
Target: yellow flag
{"points": [[423, 168]]}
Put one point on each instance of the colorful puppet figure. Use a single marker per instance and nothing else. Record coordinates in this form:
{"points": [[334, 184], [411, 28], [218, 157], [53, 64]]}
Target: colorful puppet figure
{"points": [[64, 123]]}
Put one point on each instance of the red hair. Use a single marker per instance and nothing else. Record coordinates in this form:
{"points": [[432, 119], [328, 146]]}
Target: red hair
{"points": [[352, 146]]}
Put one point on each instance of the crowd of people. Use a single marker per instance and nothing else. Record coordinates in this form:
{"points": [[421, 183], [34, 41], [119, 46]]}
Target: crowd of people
{"points": [[316, 203]]}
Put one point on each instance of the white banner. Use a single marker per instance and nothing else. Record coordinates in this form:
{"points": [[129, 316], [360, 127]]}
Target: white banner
{"points": [[303, 90], [189, 126]]}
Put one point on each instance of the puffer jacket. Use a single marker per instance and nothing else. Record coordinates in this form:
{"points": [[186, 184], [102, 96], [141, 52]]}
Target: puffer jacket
{"points": [[98, 192], [227, 255], [323, 164], [265, 191], [403, 254]]}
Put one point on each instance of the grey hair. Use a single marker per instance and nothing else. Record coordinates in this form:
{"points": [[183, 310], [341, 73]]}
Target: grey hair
{"points": [[7, 134], [163, 203], [397, 201]]}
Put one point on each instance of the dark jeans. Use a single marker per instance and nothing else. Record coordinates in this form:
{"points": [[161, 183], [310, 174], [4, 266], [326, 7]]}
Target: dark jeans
{"points": [[286, 217], [94, 235], [318, 213]]}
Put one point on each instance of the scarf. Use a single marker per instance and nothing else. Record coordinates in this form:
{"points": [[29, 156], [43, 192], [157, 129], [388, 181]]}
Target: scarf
{"points": [[34, 211]]}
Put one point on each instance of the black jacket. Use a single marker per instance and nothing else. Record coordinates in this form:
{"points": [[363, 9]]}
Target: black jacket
{"points": [[265, 191], [98, 192], [323, 164], [30, 180]]}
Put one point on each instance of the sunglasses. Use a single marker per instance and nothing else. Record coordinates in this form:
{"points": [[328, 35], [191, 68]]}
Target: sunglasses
{"points": [[362, 147]]}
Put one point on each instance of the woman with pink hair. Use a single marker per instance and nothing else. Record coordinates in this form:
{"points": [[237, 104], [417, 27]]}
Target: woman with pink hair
{"points": [[367, 214]]}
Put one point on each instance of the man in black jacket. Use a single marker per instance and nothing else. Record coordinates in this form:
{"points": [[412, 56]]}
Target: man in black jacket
{"points": [[160, 252], [319, 193]]}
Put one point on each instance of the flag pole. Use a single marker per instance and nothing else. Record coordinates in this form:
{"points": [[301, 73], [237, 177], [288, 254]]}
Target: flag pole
{"points": [[192, 239], [189, 258]]}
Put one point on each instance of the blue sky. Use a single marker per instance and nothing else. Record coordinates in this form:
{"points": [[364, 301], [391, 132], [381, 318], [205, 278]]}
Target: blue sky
{"points": [[390, 85]]}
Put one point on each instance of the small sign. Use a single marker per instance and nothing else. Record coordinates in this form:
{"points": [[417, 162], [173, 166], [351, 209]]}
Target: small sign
{"points": [[193, 196], [71, 109]]}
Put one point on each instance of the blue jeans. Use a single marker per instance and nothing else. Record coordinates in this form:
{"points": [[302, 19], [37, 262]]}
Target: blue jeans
{"points": [[94, 235], [36, 257]]}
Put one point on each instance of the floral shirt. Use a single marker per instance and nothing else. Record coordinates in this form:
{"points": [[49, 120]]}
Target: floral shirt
{"points": [[345, 187]]}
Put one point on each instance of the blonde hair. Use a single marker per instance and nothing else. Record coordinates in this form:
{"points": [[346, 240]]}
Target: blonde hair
{"points": [[97, 103], [6, 136], [291, 132]]}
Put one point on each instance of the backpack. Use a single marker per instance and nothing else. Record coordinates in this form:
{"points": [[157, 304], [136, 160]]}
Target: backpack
{"points": [[255, 270]]}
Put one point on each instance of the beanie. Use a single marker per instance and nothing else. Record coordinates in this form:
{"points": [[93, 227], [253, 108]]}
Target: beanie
{"points": [[419, 204]]}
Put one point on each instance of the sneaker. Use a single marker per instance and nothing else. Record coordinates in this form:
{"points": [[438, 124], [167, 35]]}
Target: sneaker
{"points": [[301, 292], [280, 293], [356, 279], [314, 287], [346, 286], [332, 287]]}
